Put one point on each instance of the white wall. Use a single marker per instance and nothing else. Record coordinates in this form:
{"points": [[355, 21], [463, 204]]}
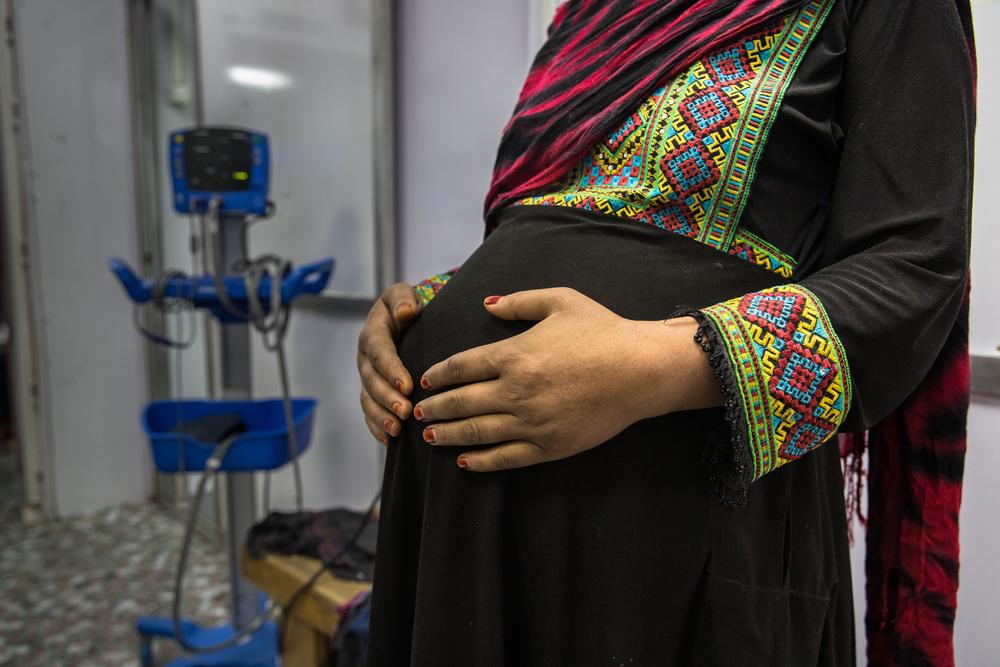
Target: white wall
{"points": [[74, 81], [978, 617], [451, 110]]}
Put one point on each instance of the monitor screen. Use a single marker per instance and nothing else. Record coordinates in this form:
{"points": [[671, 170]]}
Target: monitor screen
{"points": [[218, 160]]}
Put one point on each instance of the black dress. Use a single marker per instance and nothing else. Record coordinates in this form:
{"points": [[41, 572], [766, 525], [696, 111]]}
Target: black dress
{"points": [[632, 553]]}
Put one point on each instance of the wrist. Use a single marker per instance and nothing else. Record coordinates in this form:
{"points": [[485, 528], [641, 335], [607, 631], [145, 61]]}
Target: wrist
{"points": [[675, 373]]}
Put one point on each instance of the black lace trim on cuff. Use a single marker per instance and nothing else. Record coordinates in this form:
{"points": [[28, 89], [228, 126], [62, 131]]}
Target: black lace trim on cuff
{"points": [[725, 453]]}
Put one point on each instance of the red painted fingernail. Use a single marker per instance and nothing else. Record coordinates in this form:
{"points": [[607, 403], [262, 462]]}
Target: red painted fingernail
{"points": [[418, 412], [429, 435], [463, 463], [398, 384], [387, 425], [425, 383], [398, 409], [490, 300], [381, 438]]}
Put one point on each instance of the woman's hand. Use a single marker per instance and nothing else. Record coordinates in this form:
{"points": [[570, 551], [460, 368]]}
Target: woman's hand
{"points": [[385, 383], [571, 382]]}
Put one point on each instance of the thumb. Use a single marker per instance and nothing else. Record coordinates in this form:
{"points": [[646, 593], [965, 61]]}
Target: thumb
{"points": [[403, 302], [535, 304]]}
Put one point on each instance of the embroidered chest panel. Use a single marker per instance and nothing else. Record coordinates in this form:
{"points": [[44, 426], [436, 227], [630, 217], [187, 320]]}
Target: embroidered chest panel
{"points": [[685, 160]]}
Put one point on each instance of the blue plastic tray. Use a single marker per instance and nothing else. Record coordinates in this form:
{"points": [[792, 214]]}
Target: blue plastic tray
{"points": [[306, 279], [260, 650], [264, 445]]}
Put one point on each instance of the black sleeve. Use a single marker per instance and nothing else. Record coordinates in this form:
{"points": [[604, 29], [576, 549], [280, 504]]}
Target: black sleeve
{"points": [[843, 346]]}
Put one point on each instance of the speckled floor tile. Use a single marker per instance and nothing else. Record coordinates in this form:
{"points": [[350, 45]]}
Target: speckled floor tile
{"points": [[72, 590]]}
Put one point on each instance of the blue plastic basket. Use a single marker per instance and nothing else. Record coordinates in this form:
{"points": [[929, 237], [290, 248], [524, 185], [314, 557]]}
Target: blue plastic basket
{"points": [[264, 445]]}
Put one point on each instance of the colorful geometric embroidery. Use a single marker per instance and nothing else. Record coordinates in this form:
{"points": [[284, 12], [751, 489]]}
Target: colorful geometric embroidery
{"points": [[790, 369], [428, 288], [685, 160], [757, 251]]}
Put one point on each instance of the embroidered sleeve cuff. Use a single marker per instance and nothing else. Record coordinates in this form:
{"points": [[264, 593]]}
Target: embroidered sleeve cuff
{"points": [[428, 288], [784, 376]]}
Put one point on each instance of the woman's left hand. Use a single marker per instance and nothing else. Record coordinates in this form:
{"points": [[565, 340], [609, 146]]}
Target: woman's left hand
{"points": [[567, 384]]}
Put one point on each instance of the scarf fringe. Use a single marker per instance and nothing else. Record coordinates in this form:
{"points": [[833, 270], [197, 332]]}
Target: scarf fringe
{"points": [[852, 453]]}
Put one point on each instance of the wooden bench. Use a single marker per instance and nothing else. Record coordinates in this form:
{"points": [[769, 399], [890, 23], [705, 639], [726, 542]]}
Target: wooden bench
{"points": [[315, 616]]}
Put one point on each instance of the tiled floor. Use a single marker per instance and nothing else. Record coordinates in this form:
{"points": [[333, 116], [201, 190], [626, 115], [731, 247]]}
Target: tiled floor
{"points": [[71, 590]]}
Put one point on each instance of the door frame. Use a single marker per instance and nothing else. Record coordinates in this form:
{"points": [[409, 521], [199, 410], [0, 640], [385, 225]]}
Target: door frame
{"points": [[28, 398]]}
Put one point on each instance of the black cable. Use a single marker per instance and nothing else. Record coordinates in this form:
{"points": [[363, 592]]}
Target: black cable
{"points": [[160, 301], [286, 610], [272, 323], [211, 469]]}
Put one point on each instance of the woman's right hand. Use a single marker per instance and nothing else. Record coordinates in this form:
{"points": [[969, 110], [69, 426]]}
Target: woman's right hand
{"points": [[385, 382]]}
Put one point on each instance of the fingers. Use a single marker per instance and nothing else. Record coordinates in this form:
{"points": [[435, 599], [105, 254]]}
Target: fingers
{"points": [[517, 454], [380, 421], [536, 304], [378, 389], [481, 430], [376, 432], [385, 380], [402, 302], [479, 398], [377, 344], [478, 363]]}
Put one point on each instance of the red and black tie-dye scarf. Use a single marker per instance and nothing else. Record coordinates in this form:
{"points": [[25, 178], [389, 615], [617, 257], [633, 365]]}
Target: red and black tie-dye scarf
{"points": [[916, 463], [602, 58]]}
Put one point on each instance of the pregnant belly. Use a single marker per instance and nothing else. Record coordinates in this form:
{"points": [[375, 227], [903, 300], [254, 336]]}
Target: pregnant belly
{"points": [[635, 270]]}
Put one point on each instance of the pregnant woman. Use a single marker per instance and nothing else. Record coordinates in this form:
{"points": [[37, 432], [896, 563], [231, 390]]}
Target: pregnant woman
{"points": [[718, 233]]}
